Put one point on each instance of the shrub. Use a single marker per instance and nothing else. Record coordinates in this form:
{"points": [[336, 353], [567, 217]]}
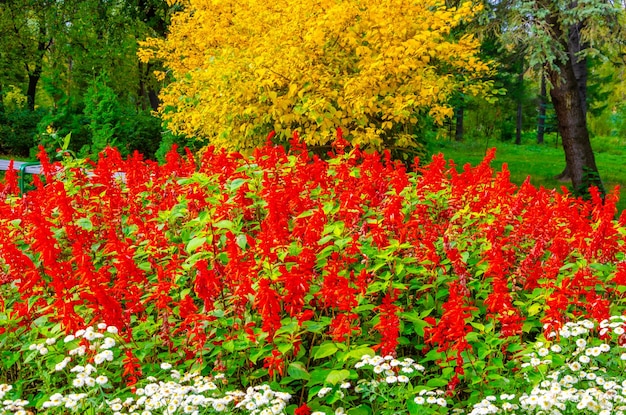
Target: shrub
{"points": [[18, 129], [373, 67]]}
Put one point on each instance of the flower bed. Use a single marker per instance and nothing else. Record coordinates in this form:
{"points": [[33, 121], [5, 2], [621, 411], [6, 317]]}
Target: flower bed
{"points": [[290, 274]]}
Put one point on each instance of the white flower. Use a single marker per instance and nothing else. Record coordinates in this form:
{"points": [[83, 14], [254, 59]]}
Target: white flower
{"points": [[166, 366], [89, 335], [323, 392], [80, 351], [102, 356], [391, 379], [70, 403], [89, 381], [419, 400], [556, 348], [77, 369], [441, 402], [43, 351], [543, 352], [112, 329], [584, 359], [581, 343], [101, 380], [345, 385], [62, 364], [108, 343], [575, 366], [89, 369], [78, 382], [102, 326], [403, 379], [51, 341], [593, 351]]}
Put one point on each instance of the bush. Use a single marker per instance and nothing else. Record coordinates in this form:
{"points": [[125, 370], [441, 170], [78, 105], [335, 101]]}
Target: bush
{"points": [[18, 129], [287, 270], [102, 119]]}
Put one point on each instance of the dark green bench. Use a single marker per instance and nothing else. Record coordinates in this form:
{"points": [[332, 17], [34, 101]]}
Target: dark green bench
{"points": [[23, 168]]}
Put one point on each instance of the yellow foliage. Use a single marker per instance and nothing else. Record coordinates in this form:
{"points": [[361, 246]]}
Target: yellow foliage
{"points": [[14, 98], [245, 67]]}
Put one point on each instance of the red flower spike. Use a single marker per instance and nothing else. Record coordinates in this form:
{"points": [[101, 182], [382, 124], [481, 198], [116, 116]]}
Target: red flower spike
{"points": [[275, 364], [388, 326]]}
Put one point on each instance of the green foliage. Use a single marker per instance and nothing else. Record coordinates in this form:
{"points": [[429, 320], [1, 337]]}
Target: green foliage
{"points": [[115, 123], [102, 119], [18, 129]]}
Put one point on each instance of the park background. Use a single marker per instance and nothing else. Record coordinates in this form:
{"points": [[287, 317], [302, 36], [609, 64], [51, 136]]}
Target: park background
{"points": [[241, 207]]}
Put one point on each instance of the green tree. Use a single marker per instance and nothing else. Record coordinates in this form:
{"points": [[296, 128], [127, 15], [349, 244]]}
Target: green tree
{"points": [[54, 51], [560, 35]]}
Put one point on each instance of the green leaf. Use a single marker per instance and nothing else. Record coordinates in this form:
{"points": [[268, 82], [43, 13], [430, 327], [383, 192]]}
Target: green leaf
{"points": [[10, 358], [534, 309], [359, 353], [325, 350], [195, 243], [360, 410], [224, 224], [315, 326], [318, 376], [242, 241], [85, 223], [480, 327], [66, 141], [437, 382], [414, 409], [297, 370], [236, 184], [337, 376]]}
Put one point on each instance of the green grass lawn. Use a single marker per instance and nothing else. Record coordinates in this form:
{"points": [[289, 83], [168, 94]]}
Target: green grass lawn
{"points": [[539, 162]]}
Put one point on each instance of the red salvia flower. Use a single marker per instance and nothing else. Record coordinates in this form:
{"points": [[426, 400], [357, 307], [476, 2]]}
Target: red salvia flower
{"points": [[389, 325]]}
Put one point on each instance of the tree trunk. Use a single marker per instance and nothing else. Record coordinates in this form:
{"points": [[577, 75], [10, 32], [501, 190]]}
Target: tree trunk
{"points": [[31, 92], [520, 107], [570, 113], [518, 123], [35, 74], [569, 97], [541, 122], [460, 114]]}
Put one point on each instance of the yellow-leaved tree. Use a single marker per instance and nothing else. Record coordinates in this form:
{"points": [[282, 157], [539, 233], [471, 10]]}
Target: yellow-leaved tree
{"points": [[242, 68]]}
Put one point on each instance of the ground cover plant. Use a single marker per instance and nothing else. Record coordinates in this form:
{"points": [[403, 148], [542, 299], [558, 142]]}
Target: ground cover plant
{"points": [[283, 283]]}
